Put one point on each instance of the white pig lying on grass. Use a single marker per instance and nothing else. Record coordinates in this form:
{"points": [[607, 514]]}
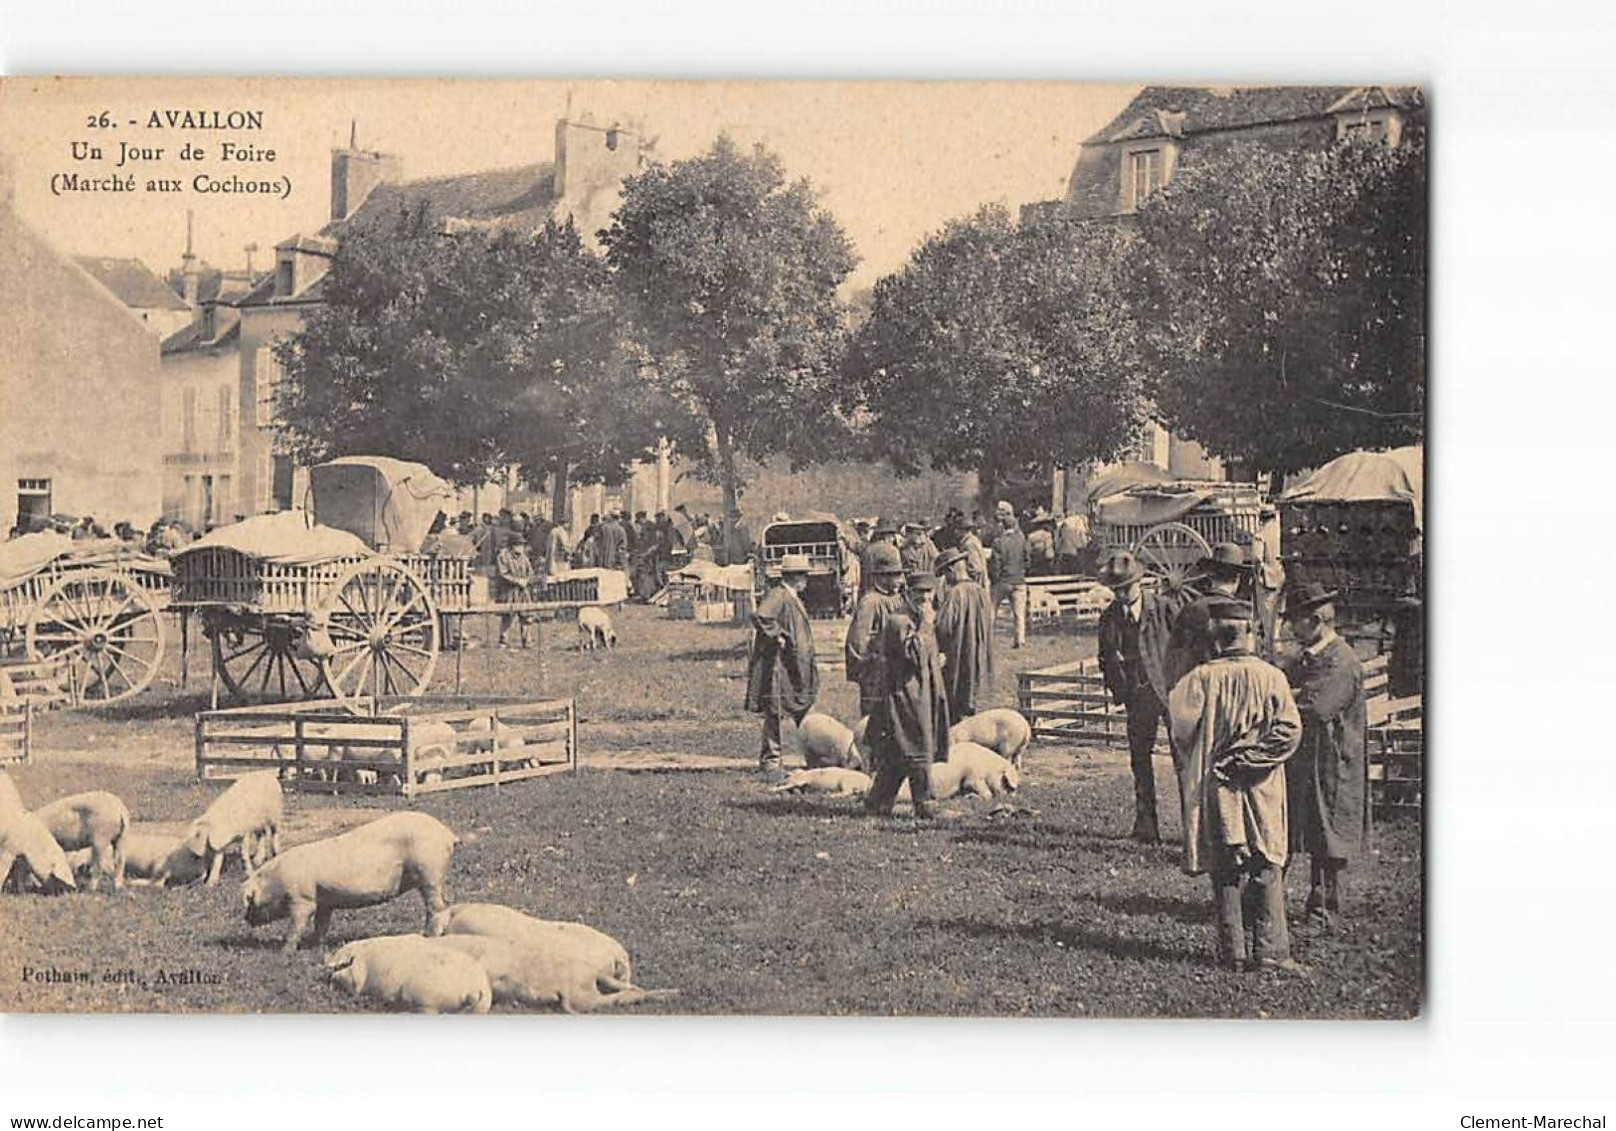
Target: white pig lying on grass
{"points": [[363, 867], [95, 821], [28, 844], [563, 973], [492, 920], [247, 816], [410, 972], [830, 780], [827, 742], [1002, 730], [970, 769]]}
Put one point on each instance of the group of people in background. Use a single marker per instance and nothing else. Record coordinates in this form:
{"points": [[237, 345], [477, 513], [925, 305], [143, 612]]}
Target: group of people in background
{"points": [[162, 538], [1267, 743]]}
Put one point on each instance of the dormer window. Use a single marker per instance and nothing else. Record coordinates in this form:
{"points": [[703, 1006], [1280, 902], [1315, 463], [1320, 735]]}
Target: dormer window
{"points": [[1384, 126], [1146, 167], [283, 277]]}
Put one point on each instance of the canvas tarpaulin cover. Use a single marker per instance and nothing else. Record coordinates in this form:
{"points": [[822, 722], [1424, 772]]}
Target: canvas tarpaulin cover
{"points": [[1363, 476], [285, 538], [1145, 506], [388, 503], [22, 557]]}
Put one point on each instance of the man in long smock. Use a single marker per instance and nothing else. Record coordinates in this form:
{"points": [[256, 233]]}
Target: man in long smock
{"points": [[964, 636], [909, 719], [1234, 726], [781, 676], [1329, 777], [869, 616]]}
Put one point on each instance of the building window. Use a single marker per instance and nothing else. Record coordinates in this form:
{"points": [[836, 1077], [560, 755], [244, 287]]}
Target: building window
{"points": [[283, 277], [267, 375], [227, 418], [1383, 126], [1144, 175], [188, 444], [33, 501]]}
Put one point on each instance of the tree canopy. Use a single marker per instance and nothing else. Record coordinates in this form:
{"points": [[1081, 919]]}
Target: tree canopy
{"points": [[999, 347], [1282, 293], [469, 353], [730, 273]]}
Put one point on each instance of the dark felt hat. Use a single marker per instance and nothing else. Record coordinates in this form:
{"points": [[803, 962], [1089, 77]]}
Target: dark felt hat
{"points": [[884, 558], [1302, 599], [1226, 558], [949, 557], [920, 582]]}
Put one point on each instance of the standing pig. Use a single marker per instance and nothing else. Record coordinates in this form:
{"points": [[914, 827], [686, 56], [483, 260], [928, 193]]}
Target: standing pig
{"points": [[246, 814], [409, 971], [369, 865], [24, 837], [97, 821], [10, 799]]}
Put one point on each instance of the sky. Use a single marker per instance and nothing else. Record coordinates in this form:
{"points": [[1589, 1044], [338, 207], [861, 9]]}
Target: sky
{"points": [[893, 160]]}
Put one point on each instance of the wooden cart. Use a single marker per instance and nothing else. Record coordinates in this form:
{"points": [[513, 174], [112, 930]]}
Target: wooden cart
{"points": [[89, 613], [1171, 526]]}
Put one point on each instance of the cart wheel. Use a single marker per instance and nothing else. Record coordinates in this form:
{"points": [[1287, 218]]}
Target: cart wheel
{"points": [[383, 629], [263, 661], [1170, 551], [105, 628]]}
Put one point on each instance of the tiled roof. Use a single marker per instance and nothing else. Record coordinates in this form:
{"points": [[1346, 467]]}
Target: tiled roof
{"points": [[190, 338], [521, 197], [1178, 110], [132, 281]]}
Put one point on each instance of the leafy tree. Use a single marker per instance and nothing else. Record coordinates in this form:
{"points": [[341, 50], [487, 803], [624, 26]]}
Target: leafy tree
{"points": [[469, 353], [731, 275], [998, 348], [1283, 297]]}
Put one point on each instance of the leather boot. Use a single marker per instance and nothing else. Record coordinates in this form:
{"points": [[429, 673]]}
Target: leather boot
{"points": [[920, 792], [1145, 829]]}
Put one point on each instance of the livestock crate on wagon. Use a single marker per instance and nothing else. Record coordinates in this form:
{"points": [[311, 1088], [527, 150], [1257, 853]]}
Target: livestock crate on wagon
{"points": [[339, 602], [1171, 526], [391, 747], [84, 617]]}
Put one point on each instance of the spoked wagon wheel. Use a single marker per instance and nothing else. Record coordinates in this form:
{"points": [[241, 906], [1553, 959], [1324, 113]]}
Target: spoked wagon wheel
{"points": [[383, 632], [105, 628], [264, 659], [1170, 552]]}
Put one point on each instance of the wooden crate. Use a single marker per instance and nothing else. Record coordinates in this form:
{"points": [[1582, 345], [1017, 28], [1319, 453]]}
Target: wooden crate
{"points": [[43, 684], [1068, 703], [16, 733], [322, 747]]}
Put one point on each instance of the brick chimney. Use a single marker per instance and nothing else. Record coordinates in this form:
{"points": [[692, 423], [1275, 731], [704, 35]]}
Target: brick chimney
{"points": [[355, 172]]}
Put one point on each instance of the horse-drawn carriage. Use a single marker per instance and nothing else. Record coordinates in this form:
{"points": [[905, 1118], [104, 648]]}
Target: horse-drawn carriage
{"points": [[88, 613], [337, 602], [1171, 526]]}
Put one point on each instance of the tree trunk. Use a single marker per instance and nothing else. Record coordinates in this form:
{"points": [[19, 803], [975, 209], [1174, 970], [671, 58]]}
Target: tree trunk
{"points": [[987, 493], [560, 486], [727, 476]]}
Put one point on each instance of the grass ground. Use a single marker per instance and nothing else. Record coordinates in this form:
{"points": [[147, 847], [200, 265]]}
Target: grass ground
{"points": [[744, 901]]}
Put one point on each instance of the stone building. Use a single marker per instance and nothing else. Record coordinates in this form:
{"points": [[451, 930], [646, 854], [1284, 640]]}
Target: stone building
{"points": [[146, 295], [582, 180], [79, 407]]}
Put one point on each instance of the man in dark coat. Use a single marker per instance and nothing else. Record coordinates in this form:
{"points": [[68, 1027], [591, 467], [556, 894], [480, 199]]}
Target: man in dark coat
{"points": [[781, 677], [862, 658], [1134, 631], [1007, 569], [1219, 576], [884, 534], [1329, 777], [909, 720], [965, 636]]}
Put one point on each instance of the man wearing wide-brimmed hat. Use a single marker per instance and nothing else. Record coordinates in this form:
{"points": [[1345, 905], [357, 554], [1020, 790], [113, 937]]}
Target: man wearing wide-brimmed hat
{"points": [[1328, 780], [884, 534], [782, 679], [964, 635], [1235, 725], [909, 717], [1219, 574], [919, 552], [1134, 633]]}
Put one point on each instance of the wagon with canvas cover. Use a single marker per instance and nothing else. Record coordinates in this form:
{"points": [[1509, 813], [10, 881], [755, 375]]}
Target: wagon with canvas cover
{"points": [[88, 613], [1171, 526], [337, 601]]}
